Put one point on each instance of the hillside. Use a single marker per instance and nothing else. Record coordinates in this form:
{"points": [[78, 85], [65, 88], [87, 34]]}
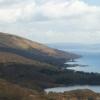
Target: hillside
{"points": [[9, 91], [27, 66], [33, 50], [29, 63]]}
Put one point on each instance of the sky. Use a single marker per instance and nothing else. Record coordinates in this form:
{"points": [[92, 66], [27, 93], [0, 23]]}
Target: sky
{"points": [[52, 21]]}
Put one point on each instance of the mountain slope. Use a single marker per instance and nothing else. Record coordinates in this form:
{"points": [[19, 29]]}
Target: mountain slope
{"points": [[33, 50], [9, 91], [35, 66], [29, 63]]}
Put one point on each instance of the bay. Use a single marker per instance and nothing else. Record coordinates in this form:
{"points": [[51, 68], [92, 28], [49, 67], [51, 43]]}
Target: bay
{"points": [[91, 58]]}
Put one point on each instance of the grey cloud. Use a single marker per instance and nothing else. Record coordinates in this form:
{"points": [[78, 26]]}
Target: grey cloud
{"points": [[50, 24]]}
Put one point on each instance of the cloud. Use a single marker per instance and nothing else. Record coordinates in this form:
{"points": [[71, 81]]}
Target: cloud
{"points": [[51, 20], [19, 11], [49, 9], [73, 37]]}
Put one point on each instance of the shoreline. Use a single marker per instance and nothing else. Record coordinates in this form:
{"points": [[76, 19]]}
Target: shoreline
{"points": [[94, 88]]}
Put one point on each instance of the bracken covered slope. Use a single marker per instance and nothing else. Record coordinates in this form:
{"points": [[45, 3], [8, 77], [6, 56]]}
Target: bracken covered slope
{"points": [[29, 63], [33, 50], [9, 91], [27, 67]]}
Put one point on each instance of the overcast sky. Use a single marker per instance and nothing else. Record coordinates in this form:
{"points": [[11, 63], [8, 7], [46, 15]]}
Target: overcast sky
{"points": [[52, 21]]}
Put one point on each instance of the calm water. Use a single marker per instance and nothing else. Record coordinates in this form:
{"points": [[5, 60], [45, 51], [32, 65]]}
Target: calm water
{"points": [[91, 58]]}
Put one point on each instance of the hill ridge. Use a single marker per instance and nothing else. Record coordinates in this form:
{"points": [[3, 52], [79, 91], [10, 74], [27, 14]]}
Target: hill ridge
{"points": [[33, 50]]}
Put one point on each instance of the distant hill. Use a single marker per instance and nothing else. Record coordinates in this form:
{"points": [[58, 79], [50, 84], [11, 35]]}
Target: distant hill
{"points": [[75, 46]]}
